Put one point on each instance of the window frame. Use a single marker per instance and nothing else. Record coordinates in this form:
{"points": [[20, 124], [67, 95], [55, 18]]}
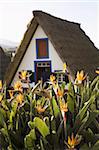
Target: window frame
{"points": [[44, 57], [35, 67], [60, 76]]}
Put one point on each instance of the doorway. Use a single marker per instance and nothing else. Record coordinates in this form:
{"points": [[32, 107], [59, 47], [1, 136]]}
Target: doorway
{"points": [[42, 70]]}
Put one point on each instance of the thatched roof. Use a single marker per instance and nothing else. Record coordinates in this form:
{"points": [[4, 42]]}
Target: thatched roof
{"points": [[4, 62], [70, 41]]}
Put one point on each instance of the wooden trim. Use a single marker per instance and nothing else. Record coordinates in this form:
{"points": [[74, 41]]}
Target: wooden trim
{"points": [[46, 39], [21, 51]]}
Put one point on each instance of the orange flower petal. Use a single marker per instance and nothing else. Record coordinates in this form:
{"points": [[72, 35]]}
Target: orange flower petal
{"points": [[20, 98], [52, 78], [97, 71], [80, 76], [1, 96], [69, 140], [40, 109], [23, 75], [18, 86], [11, 93], [1, 85]]}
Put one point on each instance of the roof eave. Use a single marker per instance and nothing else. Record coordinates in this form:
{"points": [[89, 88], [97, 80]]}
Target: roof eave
{"points": [[20, 52]]}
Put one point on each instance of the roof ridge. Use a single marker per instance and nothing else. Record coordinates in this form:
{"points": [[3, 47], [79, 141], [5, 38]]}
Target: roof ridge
{"points": [[37, 12], [68, 39]]}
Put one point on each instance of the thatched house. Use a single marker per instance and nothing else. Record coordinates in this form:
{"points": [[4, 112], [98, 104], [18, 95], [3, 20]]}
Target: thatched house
{"points": [[48, 43], [4, 62]]}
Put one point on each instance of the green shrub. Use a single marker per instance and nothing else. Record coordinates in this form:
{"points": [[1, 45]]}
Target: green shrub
{"points": [[50, 117]]}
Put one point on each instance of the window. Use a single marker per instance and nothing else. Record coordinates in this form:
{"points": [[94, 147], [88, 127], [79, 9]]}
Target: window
{"points": [[43, 64], [60, 76], [42, 48]]}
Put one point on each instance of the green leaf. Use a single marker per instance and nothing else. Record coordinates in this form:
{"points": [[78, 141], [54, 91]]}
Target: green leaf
{"points": [[36, 87], [41, 143], [13, 111], [2, 117], [85, 107], [89, 136], [84, 147], [96, 146], [91, 116], [85, 94], [4, 132], [70, 103], [31, 124], [28, 142], [32, 134], [4, 105], [82, 114], [93, 83], [60, 128], [41, 126], [29, 139], [55, 107], [53, 124], [71, 88]]}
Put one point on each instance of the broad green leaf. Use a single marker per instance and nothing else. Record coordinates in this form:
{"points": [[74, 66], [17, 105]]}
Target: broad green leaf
{"points": [[82, 113], [71, 88], [29, 139], [93, 83], [4, 132], [84, 147], [96, 146], [89, 136], [92, 116], [60, 128], [88, 120], [2, 116], [41, 126], [4, 105], [70, 103], [85, 108], [28, 142], [96, 124], [9, 147], [85, 94], [53, 124], [13, 111], [83, 123], [32, 134], [31, 124], [55, 107], [63, 85]]}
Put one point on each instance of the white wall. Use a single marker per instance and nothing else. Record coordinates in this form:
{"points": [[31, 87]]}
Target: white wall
{"points": [[30, 56]]}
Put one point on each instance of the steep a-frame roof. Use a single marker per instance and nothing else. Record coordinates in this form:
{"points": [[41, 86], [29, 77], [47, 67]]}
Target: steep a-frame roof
{"points": [[70, 41]]}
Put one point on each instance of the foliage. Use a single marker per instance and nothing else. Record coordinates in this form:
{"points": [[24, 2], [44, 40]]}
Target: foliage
{"points": [[50, 115]]}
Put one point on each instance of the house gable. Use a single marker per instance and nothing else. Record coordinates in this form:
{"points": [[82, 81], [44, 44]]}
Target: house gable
{"points": [[73, 46], [27, 62]]}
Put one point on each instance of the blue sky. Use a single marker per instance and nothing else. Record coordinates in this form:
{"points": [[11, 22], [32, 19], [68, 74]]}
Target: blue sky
{"points": [[16, 14]]}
